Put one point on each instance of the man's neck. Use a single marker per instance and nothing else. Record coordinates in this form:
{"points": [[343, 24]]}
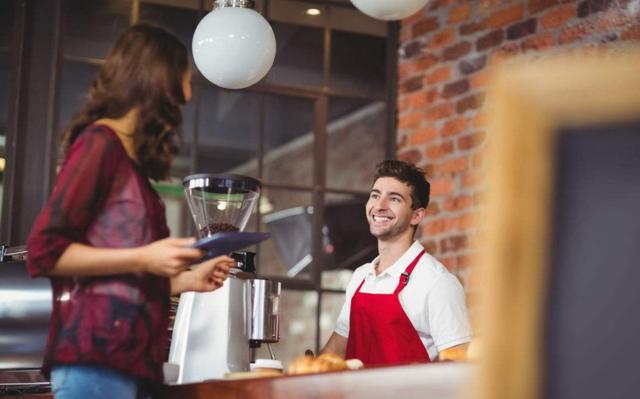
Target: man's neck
{"points": [[390, 251]]}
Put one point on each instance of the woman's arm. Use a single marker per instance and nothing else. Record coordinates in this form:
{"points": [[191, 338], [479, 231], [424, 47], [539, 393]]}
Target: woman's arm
{"points": [[168, 257]]}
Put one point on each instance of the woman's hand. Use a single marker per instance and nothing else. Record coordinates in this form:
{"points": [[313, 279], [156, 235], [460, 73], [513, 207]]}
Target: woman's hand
{"points": [[168, 257], [206, 276]]}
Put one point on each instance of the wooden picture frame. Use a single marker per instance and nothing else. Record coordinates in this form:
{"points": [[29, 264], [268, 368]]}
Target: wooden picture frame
{"points": [[532, 103]]}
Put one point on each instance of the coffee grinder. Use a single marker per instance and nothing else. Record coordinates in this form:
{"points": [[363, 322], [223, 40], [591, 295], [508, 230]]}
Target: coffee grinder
{"points": [[214, 332]]}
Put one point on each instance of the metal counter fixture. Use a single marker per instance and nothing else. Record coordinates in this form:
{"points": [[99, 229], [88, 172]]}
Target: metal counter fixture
{"points": [[25, 308]]}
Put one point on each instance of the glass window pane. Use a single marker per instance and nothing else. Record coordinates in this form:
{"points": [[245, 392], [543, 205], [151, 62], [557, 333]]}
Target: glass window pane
{"points": [[353, 125], [181, 166], [4, 115], [288, 216], [288, 147], [76, 81], [299, 55], [358, 63], [93, 26], [6, 24], [346, 238], [297, 326], [6, 30], [227, 128], [5, 70], [329, 311], [180, 21]]}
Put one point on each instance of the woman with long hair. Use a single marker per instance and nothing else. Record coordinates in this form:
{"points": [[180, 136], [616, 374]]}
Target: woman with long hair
{"points": [[102, 236]]}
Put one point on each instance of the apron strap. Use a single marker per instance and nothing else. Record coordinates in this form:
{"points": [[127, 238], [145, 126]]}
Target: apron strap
{"points": [[404, 277]]}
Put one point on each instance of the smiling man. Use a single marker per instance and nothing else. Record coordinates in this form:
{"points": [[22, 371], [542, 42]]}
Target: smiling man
{"points": [[404, 306]]}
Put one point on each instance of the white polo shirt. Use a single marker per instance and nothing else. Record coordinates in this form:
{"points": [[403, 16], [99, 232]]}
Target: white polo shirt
{"points": [[433, 300]]}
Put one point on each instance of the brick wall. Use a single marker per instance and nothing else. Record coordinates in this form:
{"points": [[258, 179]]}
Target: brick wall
{"points": [[446, 52]]}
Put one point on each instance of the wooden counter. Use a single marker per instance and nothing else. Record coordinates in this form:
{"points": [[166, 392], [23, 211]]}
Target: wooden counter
{"points": [[441, 380]]}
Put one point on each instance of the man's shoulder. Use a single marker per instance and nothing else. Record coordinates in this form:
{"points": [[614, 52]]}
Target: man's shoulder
{"points": [[429, 269]]}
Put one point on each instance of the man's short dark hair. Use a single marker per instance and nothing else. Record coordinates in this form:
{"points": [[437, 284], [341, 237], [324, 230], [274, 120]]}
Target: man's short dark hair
{"points": [[409, 174]]}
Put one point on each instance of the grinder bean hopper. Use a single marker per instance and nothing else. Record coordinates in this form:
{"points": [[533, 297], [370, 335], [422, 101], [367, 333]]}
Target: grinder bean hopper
{"points": [[214, 332]]}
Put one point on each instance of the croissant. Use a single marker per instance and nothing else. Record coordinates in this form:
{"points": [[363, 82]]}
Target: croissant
{"points": [[323, 363]]}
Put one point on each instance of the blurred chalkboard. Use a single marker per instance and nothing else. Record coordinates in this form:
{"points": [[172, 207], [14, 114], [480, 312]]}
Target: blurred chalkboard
{"points": [[592, 330]]}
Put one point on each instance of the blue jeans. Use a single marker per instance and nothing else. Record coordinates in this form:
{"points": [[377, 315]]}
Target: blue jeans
{"points": [[81, 381]]}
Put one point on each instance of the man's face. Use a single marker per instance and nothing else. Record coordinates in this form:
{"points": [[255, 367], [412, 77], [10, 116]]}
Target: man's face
{"points": [[389, 210]]}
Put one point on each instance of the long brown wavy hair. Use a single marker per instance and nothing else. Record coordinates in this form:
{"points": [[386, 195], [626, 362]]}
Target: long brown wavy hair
{"points": [[143, 70]]}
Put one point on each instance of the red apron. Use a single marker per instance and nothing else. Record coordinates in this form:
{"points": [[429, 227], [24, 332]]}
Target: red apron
{"points": [[380, 333]]}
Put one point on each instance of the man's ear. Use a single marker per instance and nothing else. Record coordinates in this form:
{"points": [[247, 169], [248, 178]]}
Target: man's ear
{"points": [[418, 215]]}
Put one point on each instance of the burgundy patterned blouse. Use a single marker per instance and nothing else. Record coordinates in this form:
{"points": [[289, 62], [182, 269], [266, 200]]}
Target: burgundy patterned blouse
{"points": [[101, 199]]}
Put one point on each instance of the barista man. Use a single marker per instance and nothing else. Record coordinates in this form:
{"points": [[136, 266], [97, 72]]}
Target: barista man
{"points": [[404, 306]]}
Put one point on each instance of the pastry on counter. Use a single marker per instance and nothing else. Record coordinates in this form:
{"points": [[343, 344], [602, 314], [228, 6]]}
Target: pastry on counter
{"points": [[323, 363]]}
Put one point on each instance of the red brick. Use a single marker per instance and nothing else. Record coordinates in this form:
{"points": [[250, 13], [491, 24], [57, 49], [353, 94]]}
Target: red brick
{"points": [[426, 61], [504, 53], [434, 227], [436, 4], [402, 103], [453, 243], [479, 79], [405, 69], [451, 263], [460, 13], [558, 16], [487, 5], [471, 141], [610, 21], [418, 100], [442, 38], [423, 136], [424, 26], [440, 111], [576, 32], [439, 75], [522, 29], [442, 186], [412, 156], [468, 221], [454, 126], [458, 203], [469, 66], [439, 150], [433, 208], [470, 28], [411, 49], [411, 84], [454, 166], [472, 102], [405, 33], [536, 6], [409, 120], [489, 40], [413, 19], [455, 88], [539, 42], [632, 33], [430, 246], [456, 51], [471, 179], [506, 16]]}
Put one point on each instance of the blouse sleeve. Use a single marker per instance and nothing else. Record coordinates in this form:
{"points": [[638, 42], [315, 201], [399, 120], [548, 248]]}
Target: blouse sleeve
{"points": [[81, 188]]}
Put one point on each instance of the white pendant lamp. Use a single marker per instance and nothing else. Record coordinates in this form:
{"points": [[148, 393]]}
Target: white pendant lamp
{"points": [[234, 46], [389, 9]]}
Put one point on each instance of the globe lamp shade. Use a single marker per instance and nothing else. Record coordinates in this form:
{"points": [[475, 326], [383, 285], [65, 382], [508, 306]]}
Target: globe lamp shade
{"points": [[233, 47], [389, 10]]}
